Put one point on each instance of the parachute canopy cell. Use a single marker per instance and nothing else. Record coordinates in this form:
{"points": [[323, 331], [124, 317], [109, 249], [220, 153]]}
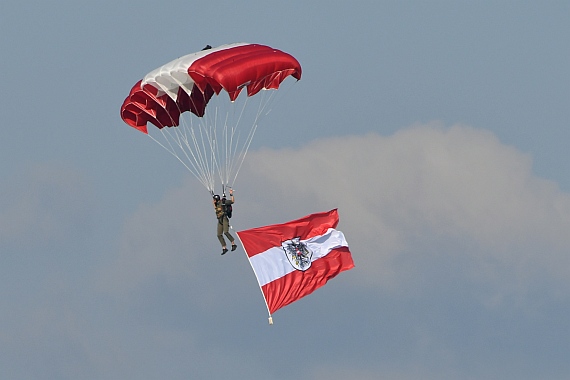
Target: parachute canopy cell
{"points": [[189, 82]]}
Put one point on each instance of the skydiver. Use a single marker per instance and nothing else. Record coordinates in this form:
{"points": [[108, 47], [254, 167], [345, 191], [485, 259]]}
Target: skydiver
{"points": [[221, 207]]}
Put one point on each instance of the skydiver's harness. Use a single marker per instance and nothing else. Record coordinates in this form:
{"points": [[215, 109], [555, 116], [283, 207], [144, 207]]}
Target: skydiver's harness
{"points": [[222, 210]]}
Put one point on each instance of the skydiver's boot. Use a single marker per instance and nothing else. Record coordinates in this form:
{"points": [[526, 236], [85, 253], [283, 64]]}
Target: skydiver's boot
{"points": [[224, 250]]}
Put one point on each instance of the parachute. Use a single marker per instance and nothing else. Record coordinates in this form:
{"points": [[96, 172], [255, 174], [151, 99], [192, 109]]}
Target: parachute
{"points": [[178, 98]]}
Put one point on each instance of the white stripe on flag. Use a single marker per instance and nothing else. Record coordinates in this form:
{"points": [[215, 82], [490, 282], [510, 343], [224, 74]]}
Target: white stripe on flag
{"points": [[273, 264]]}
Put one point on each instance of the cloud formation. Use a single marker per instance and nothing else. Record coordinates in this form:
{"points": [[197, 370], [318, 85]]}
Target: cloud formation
{"points": [[447, 198], [452, 235], [452, 193]]}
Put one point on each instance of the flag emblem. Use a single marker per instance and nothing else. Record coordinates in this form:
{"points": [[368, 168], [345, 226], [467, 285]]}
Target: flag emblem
{"points": [[298, 254]]}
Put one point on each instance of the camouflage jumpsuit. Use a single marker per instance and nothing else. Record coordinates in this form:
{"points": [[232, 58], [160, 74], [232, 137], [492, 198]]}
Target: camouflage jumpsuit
{"points": [[223, 221]]}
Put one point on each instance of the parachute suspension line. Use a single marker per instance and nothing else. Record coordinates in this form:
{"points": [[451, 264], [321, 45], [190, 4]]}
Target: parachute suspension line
{"points": [[182, 140], [233, 148], [221, 145], [193, 149], [202, 151], [203, 158], [196, 161], [208, 147], [244, 150], [221, 148], [224, 165], [232, 132], [173, 152], [211, 132], [216, 145], [198, 152], [263, 104]]}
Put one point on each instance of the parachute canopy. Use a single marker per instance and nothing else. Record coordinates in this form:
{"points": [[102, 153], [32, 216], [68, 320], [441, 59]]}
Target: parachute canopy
{"points": [[189, 82], [207, 133]]}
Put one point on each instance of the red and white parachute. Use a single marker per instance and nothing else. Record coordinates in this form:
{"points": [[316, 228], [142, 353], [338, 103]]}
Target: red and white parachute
{"points": [[208, 134]]}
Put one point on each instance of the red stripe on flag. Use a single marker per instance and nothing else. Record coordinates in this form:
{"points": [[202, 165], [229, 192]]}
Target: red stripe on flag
{"points": [[258, 240], [298, 284]]}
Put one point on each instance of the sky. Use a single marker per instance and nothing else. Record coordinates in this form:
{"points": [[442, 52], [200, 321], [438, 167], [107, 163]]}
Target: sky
{"points": [[438, 129]]}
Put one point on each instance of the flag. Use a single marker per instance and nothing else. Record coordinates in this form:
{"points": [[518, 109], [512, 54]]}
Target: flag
{"points": [[293, 259]]}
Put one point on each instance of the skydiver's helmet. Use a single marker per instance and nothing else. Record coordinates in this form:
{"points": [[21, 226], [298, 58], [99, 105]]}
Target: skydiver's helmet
{"points": [[217, 198]]}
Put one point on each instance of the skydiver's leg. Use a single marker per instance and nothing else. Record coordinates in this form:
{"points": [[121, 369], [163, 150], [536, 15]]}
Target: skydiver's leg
{"points": [[219, 234], [226, 226], [227, 231], [230, 237]]}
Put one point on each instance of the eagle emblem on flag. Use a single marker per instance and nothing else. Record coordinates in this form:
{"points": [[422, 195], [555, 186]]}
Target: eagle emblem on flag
{"points": [[298, 254]]}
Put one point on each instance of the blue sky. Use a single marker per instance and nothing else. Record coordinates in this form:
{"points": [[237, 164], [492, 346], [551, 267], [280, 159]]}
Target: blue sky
{"points": [[439, 130]]}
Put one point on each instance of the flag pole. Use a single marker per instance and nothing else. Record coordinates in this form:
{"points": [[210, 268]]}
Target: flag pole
{"points": [[270, 319]]}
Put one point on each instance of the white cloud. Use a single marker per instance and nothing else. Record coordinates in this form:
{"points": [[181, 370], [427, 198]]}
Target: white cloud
{"points": [[457, 189], [425, 200]]}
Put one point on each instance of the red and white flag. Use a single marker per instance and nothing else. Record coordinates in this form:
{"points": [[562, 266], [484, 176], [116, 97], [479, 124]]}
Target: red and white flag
{"points": [[293, 259]]}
